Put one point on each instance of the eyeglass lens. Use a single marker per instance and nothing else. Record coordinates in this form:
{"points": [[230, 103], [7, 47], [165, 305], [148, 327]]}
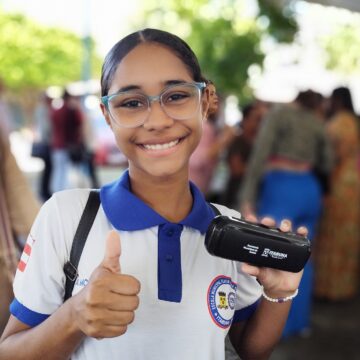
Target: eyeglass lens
{"points": [[131, 109]]}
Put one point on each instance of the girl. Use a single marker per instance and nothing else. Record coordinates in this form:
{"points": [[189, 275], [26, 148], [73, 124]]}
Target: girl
{"points": [[156, 293]]}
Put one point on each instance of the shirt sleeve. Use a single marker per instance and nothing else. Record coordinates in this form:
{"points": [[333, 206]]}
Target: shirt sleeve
{"points": [[40, 279], [248, 291], [248, 294]]}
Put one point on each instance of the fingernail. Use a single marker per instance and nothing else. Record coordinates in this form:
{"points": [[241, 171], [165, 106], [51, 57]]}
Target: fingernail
{"points": [[286, 224]]}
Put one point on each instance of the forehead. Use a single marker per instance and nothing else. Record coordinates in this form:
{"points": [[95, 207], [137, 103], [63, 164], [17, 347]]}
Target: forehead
{"points": [[212, 87], [148, 64]]}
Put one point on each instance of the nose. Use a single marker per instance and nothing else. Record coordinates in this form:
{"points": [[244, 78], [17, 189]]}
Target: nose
{"points": [[157, 118]]}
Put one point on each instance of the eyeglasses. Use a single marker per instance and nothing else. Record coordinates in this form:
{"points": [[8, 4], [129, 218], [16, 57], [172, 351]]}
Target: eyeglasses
{"points": [[131, 108]]}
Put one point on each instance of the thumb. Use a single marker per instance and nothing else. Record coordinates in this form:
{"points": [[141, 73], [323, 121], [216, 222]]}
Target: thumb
{"points": [[250, 269], [112, 254]]}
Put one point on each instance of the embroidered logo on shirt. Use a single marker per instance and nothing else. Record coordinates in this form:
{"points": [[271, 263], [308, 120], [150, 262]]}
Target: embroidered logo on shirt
{"points": [[221, 300], [26, 253]]}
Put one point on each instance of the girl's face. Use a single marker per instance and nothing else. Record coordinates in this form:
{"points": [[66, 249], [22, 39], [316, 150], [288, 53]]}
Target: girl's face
{"points": [[162, 146], [213, 99]]}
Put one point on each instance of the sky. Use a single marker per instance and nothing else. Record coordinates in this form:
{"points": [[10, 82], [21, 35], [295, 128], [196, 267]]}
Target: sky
{"points": [[106, 20]]}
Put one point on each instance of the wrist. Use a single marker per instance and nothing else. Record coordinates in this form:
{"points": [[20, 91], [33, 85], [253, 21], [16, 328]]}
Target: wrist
{"points": [[279, 297], [72, 312]]}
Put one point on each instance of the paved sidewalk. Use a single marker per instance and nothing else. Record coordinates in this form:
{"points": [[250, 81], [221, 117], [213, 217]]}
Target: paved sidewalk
{"points": [[335, 335]]}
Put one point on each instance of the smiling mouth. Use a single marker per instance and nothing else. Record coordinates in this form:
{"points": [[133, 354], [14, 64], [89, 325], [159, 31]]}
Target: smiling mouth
{"points": [[165, 146]]}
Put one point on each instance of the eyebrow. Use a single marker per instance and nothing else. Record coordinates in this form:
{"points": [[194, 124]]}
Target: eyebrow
{"points": [[137, 87]]}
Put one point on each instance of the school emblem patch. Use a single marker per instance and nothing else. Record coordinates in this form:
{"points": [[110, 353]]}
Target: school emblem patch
{"points": [[221, 300]]}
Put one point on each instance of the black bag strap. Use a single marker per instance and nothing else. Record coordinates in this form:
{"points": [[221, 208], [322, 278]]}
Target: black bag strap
{"points": [[216, 210], [81, 234], [82, 231]]}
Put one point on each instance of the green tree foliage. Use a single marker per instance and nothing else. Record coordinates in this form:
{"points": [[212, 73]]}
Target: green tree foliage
{"points": [[343, 49], [281, 22], [33, 57], [226, 35]]}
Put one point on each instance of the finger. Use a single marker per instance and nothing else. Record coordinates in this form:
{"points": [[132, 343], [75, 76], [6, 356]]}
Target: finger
{"points": [[120, 284], [268, 221], [125, 303], [250, 269], [108, 331], [285, 225], [302, 230], [112, 254], [118, 318], [251, 217]]}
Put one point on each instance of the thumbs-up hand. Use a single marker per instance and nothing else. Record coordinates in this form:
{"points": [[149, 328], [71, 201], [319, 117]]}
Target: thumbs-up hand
{"points": [[107, 304], [112, 255]]}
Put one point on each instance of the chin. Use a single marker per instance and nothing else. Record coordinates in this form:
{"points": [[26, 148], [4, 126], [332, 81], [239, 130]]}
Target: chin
{"points": [[166, 172]]}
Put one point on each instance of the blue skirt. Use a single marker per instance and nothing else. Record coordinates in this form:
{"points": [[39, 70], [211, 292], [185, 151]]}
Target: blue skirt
{"points": [[297, 197]]}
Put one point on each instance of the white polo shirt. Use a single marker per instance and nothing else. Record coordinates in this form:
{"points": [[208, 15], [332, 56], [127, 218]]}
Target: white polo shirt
{"points": [[188, 298]]}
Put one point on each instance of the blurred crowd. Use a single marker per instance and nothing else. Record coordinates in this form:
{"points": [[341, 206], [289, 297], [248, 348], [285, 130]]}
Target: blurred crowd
{"points": [[64, 141], [299, 160]]}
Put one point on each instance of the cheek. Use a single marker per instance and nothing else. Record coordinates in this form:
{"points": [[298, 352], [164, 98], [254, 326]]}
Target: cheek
{"points": [[122, 140], [198, 130]]}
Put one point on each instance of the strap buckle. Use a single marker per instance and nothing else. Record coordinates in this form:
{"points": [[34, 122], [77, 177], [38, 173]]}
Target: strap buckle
{"points": [[71, 271]]}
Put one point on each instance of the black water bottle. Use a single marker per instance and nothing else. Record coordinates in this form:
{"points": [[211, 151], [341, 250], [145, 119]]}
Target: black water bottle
{"points": [[236, 239]]}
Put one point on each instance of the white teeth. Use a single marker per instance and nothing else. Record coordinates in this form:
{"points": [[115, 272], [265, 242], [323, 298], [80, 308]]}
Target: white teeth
{"points": [[162, 146]]}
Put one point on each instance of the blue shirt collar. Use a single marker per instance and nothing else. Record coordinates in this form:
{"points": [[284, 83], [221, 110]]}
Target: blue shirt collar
{"points": [[127, 212]]}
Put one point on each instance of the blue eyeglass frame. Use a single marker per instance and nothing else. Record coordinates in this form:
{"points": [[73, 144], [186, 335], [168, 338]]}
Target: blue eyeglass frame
{"points": [[105, 99]]}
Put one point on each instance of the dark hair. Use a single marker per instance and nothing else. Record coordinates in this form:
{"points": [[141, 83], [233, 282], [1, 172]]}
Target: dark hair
{"points": [[309, 99], [180, 48], [341, 99], [247, 110], [66, 95]]}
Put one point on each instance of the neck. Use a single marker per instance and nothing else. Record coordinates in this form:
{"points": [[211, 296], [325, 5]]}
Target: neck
{"points": [[168, 196]]}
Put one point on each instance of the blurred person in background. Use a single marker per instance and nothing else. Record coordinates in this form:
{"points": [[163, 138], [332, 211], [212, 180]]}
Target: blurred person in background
{"points": [[280, 182], [6, 124], [42, 118], [316, 103], [237, 156], [213, 141], [320, 105], [67, 141], [238, 153], [203, 160], [337, 251], [82, 150], [90, 145], [18, 208]]}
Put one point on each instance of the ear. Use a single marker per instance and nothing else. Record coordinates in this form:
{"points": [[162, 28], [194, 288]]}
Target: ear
{"points": [[205, 103], [106, 114]]}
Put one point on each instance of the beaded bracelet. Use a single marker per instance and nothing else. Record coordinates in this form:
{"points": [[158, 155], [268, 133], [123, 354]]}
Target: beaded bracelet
{"points": [[279, 300]]}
